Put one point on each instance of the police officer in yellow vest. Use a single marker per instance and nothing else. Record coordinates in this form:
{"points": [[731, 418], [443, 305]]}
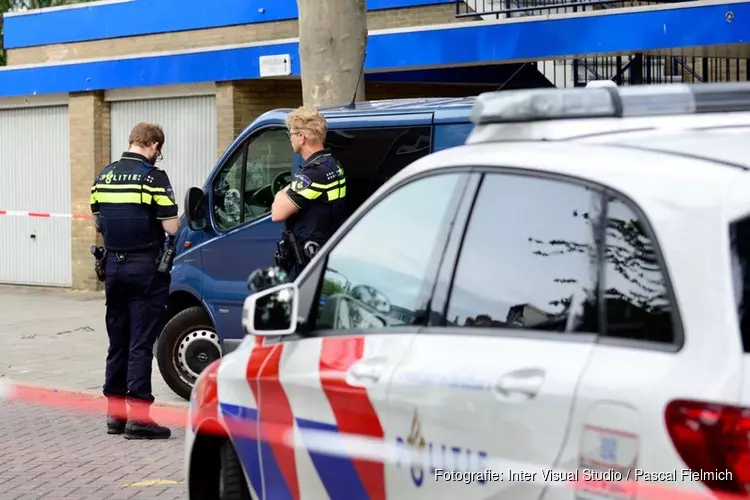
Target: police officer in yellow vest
{"points": [[313, 206], [133, 207]]}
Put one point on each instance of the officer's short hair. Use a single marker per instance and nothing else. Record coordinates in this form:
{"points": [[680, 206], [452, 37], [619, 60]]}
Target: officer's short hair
{"points": [[145, 134], [310, 120]]}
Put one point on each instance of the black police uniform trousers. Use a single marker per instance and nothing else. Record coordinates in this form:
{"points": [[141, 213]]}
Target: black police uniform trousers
{"points": [[136, 300]]}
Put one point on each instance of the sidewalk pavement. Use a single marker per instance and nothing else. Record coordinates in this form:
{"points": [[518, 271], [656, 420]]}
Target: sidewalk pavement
{"points": [[57, 338]]}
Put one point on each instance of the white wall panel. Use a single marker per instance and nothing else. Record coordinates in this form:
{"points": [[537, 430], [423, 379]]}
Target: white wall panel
{"points": [[35, 173], [189, 125]]}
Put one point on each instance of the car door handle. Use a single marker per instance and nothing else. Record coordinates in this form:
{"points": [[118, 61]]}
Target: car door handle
{"points": [[525, 382], [364, 372]]}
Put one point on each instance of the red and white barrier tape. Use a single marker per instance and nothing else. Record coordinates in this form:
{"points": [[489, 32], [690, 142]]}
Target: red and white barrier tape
{"points": [[359, 447], [45, 215]]}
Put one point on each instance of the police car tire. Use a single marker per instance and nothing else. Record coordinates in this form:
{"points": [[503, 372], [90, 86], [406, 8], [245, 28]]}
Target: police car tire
{"points": [[232, 475], [190, 319]]}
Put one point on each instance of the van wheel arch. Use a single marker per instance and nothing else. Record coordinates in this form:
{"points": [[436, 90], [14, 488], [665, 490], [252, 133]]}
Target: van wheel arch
{"points": [[188, 343]]}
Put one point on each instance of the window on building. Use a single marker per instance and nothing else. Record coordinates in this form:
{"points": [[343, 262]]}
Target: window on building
{"points": [[528, 259], [635, 289], [382, 272]]}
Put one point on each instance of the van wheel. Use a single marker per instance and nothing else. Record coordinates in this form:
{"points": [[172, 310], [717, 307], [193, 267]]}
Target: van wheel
{"points": [[232, 483], [187, 345]]}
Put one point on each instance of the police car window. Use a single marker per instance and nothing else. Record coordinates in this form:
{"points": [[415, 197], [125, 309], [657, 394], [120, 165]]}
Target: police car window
{"points": [[371, 156], [380, 273], [528, 259], [269, 155], [635, 290], [227, 196], [739, 235]]}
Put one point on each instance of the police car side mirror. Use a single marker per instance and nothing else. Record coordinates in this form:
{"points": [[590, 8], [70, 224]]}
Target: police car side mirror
{"points": [[272, 312], [195, 209]]}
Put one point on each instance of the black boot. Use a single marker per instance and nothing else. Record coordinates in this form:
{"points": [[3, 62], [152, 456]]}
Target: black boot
{"points": [[141, 426], [146, 430], [115, 425], [116, 415]]}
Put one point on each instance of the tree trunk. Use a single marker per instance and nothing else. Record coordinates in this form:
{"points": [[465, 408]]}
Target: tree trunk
{"points": [[332, 43]]}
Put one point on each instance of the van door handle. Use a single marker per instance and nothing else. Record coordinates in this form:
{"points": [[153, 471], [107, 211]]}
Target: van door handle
{"points": [[525, 382]]}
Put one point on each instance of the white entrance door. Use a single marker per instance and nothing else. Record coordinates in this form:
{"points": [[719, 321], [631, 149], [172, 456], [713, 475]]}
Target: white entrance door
{"points": [[35, 169]]}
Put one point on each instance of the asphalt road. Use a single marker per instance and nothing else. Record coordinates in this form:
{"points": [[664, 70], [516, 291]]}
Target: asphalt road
{"points": [[57, 338]]}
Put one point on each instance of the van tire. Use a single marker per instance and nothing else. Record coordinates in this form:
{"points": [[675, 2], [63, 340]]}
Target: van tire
{"points": [[232, 477], [186, 340]]}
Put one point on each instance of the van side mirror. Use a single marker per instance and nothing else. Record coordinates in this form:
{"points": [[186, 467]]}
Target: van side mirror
{"points": [[272, 312], [265, 278], [195, 209]]}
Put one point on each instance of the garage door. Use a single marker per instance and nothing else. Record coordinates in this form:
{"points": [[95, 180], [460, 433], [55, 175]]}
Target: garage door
{"points": [[189, 125], [35, 166]]}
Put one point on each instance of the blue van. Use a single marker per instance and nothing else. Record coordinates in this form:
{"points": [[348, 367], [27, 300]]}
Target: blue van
{"points": [[227, 232]]}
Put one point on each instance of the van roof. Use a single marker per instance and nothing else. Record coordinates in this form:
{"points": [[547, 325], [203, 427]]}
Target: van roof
{"points": [[454, 107], [401, 105]]}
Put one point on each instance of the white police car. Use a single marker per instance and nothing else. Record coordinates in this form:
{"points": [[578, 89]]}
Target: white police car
{"points": [[567, 291]]}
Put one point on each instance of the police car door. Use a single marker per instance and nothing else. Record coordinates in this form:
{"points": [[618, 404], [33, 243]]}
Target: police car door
{"points": [[488, 387], [360, 297]]}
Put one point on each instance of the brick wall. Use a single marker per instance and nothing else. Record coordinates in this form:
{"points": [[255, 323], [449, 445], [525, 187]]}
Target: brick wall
{"points": [[239, 103], [384, 19], [89, 153]]}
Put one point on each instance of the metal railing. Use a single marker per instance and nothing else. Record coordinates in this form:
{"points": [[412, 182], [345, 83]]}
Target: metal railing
{"points": [[634, 69], [638, 69], [516, 8]]}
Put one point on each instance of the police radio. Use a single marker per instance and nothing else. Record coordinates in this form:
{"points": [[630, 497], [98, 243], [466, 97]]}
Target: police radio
{"points": [[167, 257]]}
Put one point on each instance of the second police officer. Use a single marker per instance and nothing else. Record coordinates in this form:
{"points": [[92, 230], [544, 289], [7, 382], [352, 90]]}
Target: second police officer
{"points": [[133, 206], [313, 205]]}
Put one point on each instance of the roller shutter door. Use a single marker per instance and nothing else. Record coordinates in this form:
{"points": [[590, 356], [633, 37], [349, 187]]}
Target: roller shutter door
{"points": [[35, 164], [190, 128]]}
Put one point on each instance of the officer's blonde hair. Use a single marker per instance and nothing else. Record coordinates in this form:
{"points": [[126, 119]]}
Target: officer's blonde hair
{"points": [[309, 121]]}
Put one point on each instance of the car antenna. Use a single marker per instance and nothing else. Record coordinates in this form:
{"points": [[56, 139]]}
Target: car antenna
{"points": [[359, 78]]}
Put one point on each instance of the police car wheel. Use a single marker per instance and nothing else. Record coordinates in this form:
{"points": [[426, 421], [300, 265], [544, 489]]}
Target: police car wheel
{"points": [[187, 345], [232, 484]]}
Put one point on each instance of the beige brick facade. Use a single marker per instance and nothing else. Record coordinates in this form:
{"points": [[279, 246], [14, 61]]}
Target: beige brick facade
{"points": [[228, 35], [239, 103], [89, 153]]}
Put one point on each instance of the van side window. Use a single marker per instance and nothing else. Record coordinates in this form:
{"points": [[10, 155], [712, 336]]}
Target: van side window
{"points": [[371, 156], [381, 273], [529, 257], [227, 198], [242, 190], [635, 289], [269, 155]]}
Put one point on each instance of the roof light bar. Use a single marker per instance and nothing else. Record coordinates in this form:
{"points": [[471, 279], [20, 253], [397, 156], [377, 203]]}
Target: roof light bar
{"points": [[596, 102]]}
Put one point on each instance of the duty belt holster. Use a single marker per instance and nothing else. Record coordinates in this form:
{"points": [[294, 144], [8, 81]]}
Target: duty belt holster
{"points": [[100, 262], [290, 252]]}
